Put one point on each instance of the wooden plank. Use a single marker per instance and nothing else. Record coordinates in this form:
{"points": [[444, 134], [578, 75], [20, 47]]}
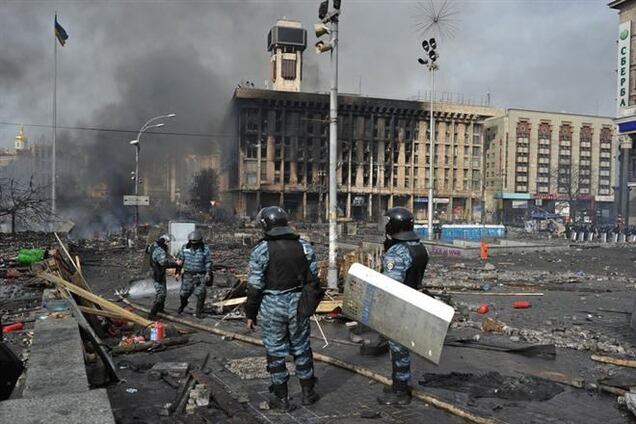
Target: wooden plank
{"points": [[325, 306], [70, 258], [231, 302], [629, 363], [94, 339], [110, 306]]}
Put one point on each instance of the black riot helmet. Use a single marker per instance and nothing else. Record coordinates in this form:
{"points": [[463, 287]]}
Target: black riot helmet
{"points": [[195, 237], [273, 220], [399, 224]]}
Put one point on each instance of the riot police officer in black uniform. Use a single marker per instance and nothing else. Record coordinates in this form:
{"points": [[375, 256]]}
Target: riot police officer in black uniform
{"points": [[405, 259]]}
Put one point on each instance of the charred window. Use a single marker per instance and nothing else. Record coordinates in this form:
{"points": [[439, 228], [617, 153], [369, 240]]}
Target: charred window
{"points": [[288, 70]]}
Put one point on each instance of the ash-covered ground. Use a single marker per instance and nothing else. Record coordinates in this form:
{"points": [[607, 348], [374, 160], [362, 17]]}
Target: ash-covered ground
{"points": [[587, 296]]}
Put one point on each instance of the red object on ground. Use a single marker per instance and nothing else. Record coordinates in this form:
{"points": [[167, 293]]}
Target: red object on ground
{"points": [[521, 304], [483, 309], [12, 273], [334, 314], [483, 254], [158, 332], [12, 327]]}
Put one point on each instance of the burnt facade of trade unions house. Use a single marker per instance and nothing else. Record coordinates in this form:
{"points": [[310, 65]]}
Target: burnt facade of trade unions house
{"points": [[281, 156]]}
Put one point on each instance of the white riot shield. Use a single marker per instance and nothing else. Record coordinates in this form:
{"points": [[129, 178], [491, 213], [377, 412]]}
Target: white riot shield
{"points": [[398, 312]]}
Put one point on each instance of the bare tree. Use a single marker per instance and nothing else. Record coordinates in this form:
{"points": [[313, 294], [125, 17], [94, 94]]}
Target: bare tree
{"points": [[23, 203], [568, 186]]}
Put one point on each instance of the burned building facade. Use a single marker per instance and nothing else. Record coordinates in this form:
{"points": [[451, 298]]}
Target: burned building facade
{"points": [[281, 155]]}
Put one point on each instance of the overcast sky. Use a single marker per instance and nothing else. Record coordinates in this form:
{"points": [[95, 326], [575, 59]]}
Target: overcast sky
{"points": [[126, 60]]}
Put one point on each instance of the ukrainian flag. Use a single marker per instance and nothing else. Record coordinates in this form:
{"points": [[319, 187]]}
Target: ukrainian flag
{"points": [[60, 32]]}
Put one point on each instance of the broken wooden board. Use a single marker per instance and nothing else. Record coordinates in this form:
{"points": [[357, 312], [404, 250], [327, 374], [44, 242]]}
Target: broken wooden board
{"points": [[630, 363], [325, 306], [398, 312], [110, 306]]}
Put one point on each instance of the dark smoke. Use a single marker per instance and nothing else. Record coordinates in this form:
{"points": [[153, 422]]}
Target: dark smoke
{"points": [[161, 82], [127, 61]]}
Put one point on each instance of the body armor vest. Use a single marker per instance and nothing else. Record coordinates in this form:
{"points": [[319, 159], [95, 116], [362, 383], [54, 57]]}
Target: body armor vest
{"points": [[415, 273], [287, 266], [158, 272]]}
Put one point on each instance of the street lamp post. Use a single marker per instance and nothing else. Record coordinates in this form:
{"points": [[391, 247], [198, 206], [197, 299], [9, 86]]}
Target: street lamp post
{"points": [[430, 50], [137, 144], [331, 18]]}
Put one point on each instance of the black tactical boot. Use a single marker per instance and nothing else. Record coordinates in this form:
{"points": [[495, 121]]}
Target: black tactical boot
{"points": [[199, 311], [152, 316], [184, 303], [309, 396], [162, 306], [279, 398], [398, 394]]}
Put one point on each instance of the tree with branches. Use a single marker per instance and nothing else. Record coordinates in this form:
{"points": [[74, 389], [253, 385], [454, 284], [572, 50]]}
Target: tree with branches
{"points": [[568, 186], [23, 203]]}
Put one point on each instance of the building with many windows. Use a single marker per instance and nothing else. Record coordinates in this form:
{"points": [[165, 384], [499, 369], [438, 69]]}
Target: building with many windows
{"points": [[550, 162], [281, 156]]}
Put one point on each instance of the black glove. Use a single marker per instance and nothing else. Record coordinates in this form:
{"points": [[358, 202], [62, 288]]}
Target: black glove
{"points": [[208, 279], [253, 303]]}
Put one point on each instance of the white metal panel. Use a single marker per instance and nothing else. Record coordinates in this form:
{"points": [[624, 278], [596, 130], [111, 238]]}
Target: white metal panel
{"points": [[179, 231], [404, 315]]}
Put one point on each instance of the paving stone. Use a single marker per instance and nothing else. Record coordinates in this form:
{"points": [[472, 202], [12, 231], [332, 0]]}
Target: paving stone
{"points": [[68, 408]]}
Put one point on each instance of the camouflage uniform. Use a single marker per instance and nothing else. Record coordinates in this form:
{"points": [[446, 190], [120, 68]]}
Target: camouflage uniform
{"points": [[196, 264], [395, 263], [283, 331], [161, 262]]}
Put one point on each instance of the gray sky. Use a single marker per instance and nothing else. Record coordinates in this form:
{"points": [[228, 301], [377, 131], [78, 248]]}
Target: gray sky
{"points": [[126, 60]]}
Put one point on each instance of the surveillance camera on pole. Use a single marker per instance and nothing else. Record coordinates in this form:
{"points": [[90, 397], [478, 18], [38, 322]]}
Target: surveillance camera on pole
{"points": [[322, 47], [329, 25]]}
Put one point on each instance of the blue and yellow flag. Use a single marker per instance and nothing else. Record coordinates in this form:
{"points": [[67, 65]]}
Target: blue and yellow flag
{"points": [[60, 32]]}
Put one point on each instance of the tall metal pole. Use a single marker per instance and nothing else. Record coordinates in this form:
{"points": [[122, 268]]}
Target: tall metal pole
{"points": [[332, 273], [258, 174], [53, 149], [431, 153], [137, 149]]}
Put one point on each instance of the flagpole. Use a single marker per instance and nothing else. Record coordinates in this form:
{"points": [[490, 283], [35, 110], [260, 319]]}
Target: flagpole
{"points": [[53, 153]]}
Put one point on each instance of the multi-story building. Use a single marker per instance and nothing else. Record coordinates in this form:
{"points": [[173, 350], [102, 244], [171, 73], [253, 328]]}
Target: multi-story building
{"points": [[281, 154], [548, 161], [626, 106], [383, 156]]}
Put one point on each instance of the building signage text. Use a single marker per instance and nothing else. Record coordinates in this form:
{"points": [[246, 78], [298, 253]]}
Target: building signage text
{"points": [[624, 41]]}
